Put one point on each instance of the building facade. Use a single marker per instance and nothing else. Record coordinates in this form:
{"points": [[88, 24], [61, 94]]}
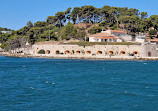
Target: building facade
{"points": [[6, 32], [110, 36], [146, 50]]}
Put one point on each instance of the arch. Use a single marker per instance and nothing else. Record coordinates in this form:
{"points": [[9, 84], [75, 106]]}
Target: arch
{"points": [[88, 52], [48, 52], [67, 52], [42, 51], [111, 52], [99, 52], [136, 53], [78, 52], [57, 52], [122, 53], [149, 54]]}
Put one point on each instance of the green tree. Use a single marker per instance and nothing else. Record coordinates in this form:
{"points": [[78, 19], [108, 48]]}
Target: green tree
{"points": [[88, 13], [105, 13], [154, 20], [67, 14], [144, 15], [40, 24], [4, 29], [95, 29], [29, 24], [4, 37], [60, 18], [103, 24], [47, 35], [132, 11], [76, 12], [97, 15], [152, 32], [145, 25], [51, 19], [70, 31]]}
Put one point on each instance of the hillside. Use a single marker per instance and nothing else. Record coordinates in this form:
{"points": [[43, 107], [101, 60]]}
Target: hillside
{"points": [[4, 29], [80, 21]]}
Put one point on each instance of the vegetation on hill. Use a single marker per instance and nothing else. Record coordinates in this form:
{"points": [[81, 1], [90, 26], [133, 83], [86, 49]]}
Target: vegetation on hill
{"points": [[4, 29], [60, 26], [84, 43]]}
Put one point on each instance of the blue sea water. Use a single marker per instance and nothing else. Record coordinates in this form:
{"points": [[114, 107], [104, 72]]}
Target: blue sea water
{"points": [[33, 84]]}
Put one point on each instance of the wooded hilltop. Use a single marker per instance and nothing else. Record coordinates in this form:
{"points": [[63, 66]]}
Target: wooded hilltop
{"points": [[61, 26]]}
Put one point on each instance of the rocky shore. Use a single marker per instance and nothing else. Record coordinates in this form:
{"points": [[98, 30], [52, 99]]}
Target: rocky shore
{"points": [[7, 54]]}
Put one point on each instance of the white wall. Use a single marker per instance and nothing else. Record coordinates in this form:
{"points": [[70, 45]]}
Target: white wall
{"points": [[119, 40], [91, 39], [141, 40], [128, 49]]}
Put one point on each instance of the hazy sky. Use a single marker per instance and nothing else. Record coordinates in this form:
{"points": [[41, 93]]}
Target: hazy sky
{"points": [[14, 14]]}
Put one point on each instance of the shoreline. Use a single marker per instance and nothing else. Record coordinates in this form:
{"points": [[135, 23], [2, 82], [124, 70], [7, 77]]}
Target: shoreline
{"points": [[6, 54]]}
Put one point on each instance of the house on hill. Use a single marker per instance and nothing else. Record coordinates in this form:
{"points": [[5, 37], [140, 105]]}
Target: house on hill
{"points": [[110, 36], [6, 32], [141, 38], [153, 41]]}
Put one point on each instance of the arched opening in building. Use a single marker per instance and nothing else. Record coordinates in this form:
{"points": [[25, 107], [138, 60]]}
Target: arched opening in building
{"points": [[149, 54], [42, 51], [78, 52], [111, 52], [122, 53], [136, 53], [57, 52], [88, 52], [48, 52], [99, 52], [67, 52]]}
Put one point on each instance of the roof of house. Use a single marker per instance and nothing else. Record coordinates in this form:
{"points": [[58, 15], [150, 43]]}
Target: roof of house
{"points": [[152, 40], [110, 37], [118, 31], [100, 35], [105, 34]]}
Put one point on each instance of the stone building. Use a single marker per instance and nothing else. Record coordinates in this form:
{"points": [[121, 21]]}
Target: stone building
{"points": [[119, 51]]}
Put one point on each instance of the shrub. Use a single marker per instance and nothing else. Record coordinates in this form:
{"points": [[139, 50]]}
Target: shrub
{"points": [[152, 32], [5, 46], [103, 24], [95, 29], [151, 37], [80, 35], [113, 27], [69, 32], [40, 24], [82, 28]]}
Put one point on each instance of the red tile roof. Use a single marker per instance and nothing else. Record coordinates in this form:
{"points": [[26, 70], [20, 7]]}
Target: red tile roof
{"points": [[110, 37], [152, 40], [100, 35], [118, 31]]}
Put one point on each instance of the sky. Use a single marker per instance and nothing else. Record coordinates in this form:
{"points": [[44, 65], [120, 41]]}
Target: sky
{"points": [[14, 14]]}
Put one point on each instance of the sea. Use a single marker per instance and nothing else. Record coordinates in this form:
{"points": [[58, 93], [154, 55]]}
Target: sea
{"points": [[35, 84]]}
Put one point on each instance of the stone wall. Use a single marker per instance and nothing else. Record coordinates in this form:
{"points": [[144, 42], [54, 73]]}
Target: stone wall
{"points": [[97, 50], [151, 50]]}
